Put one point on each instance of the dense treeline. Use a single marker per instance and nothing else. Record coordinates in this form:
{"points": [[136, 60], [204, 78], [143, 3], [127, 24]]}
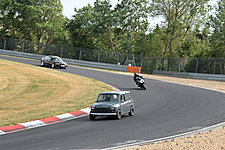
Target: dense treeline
{"points": [[188, 30]]}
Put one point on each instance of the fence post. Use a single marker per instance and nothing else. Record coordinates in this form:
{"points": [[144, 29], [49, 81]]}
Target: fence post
{"points": [[80, 54], [141, 61], [61, 51], [157, 63], [196, 67], [224, 66], [4, 43], [23, 46], [214, 68], [118, 59], [42, 48], [167, 64], [179, 65], [99, 56]]}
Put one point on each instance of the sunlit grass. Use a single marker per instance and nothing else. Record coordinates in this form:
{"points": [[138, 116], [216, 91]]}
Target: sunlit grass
{"points": [[29, 93]]}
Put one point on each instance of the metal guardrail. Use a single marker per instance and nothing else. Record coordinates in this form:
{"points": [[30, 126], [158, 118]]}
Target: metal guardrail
{"points": [[216, 77], [96, 65], [123, 68], [20, 54], [172, 74], [69, 61]]}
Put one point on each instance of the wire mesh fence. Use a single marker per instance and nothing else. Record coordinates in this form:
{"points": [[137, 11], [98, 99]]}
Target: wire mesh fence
{"points": [[148, 64]]}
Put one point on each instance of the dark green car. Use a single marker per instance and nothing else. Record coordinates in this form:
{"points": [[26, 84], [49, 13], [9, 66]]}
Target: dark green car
{"points": [[113, 103]]}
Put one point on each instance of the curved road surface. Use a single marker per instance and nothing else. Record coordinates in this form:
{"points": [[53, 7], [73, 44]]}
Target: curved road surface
{"points": [[165, 109]]}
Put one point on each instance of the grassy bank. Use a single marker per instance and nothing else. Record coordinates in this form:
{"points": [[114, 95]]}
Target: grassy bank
{"points": [[29, 93]]}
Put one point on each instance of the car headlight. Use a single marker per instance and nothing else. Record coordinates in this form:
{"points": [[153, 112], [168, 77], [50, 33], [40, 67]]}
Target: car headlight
{"points": [[92, 107], [112, 108]]}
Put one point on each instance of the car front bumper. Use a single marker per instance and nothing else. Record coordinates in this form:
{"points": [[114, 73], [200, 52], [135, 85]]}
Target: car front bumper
{"points": [[60, 65], [103, 114], [64, 66]]}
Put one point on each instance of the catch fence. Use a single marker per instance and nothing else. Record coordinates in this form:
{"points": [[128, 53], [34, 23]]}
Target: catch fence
{"points": [[148, 64]]}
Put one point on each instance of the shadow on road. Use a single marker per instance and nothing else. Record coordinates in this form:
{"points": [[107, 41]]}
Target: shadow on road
{"points": [[129, 89]]}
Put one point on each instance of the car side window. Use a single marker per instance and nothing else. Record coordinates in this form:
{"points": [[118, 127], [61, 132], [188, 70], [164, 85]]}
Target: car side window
{"points": [[122, 98], [48, 58], [128, 97]]}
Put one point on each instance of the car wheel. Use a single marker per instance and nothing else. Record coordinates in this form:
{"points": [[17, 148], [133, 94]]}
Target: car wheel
{"points": [[53, 65], [92, 117], [131, 113], [118, 114], [42, 63]]}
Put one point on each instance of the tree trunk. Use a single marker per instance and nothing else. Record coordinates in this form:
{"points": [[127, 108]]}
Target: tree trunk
{"points": [[111, 42], [164, 56], [131, 40]]}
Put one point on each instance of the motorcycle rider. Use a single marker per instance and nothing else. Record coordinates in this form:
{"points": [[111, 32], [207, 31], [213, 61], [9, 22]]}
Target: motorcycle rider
{"points": [[136, 76], [139, 81]]}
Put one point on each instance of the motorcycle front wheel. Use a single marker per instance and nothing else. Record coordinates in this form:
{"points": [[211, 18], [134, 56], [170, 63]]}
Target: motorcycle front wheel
{"points": [[143, 87]]}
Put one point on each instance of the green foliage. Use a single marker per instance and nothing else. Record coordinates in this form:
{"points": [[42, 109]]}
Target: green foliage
{"points": [[8, 19], [132, 15], [124, 28], [115, 30], [79, 26], [33, 20], [104, 24], [217, 23], [181, 17]]}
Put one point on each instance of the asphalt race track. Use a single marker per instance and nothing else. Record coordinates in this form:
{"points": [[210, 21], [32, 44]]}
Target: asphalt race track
{"points": [[164, 109]]}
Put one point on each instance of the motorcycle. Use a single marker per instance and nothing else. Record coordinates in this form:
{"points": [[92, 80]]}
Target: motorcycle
{"points": [[140, 82]]}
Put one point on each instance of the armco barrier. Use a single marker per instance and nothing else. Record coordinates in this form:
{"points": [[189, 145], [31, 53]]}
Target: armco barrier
{"points": [[69, 61], [172, 74], [216, 77], [20, 54], [96, 65]]}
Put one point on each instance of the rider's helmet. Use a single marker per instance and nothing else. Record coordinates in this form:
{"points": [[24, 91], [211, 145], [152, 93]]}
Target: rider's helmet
{"points": [[135, 74]]}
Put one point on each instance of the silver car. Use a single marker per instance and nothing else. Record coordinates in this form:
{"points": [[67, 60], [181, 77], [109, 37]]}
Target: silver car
{"points": [[113, 103]]}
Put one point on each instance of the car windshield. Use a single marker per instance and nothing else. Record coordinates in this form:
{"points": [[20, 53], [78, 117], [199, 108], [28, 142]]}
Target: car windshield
{"points": [[108, 97], [57, 59]]}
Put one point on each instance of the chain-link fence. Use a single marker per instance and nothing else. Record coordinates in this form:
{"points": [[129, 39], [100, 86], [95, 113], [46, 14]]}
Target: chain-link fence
{"points": [[148, 64], [194, 65]]}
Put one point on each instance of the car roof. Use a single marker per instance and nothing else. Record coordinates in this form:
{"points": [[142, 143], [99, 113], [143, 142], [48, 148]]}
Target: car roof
{"points": [[54, 56], [116, 92]]}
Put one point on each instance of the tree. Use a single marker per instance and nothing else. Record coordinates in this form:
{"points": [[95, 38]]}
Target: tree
{"points": [[103, 20], [79, 26], [217, 23], [8, 18], [133, 19], [42, 19], [105, 24], [33, 20], [180, 19]]}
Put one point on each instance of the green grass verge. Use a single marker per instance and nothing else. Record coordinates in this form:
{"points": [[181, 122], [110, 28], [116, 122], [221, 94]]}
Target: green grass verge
{"points": [[29, 92]]}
